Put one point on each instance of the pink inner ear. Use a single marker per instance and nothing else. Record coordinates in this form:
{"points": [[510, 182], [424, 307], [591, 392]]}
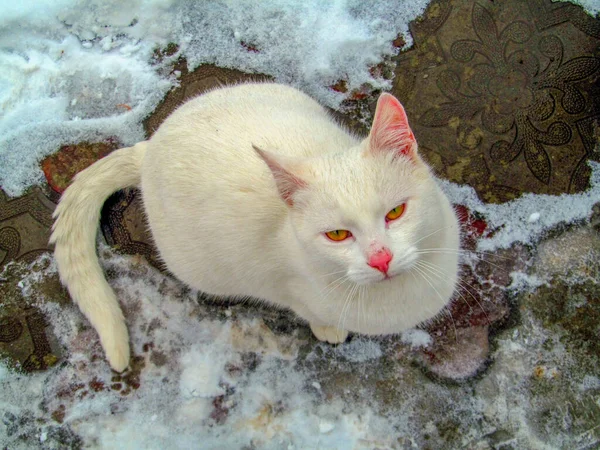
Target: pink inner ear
{"points": [[391, 130], [287, 182]]}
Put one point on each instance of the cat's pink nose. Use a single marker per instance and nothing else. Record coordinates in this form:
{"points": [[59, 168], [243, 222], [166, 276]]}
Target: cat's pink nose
{"points": [[380, 260]]}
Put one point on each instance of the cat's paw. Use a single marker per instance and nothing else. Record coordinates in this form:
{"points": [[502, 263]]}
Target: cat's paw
{"points": [[329, 334]]}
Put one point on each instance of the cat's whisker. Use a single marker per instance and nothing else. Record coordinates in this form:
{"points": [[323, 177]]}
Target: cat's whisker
{"points": [[338, 282], [449, 313], [426, 278], [345, 305], [332, 273], [461, 284], [461, 253], [431, 234], [438, 275], [480, 256], [469, 252], [351, 298], [353, 302], [358, 306], [363, 291]]}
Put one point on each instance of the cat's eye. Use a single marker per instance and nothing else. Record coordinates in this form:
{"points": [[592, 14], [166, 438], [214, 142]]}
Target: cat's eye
{"points": [[338, 235], [395, 213]]}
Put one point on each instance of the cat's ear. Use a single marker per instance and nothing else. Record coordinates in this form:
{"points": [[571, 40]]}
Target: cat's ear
{"points": [[288, 183], [390, 131]]}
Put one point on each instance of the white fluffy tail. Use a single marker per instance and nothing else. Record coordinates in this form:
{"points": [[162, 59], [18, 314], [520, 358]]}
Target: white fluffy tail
{"points": [[74, 236]]}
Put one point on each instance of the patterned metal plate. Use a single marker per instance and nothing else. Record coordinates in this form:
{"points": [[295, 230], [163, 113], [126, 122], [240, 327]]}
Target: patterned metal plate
{"points": [[504, 95]]}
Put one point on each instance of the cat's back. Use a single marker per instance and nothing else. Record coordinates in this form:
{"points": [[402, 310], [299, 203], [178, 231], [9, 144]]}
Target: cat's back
{"points": [[280, 118], [209, 141]]}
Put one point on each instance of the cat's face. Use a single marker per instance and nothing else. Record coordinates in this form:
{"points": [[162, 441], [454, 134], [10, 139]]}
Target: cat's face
{"points": [[360, 215]]}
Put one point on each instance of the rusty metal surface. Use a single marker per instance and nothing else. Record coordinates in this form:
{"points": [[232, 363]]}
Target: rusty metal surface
{"points": [[504, 95], [25, 225]]}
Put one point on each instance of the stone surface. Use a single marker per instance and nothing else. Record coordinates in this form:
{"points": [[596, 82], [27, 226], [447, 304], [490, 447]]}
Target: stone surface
{"points": [[504, 95], [570, 303], [124, 227]]}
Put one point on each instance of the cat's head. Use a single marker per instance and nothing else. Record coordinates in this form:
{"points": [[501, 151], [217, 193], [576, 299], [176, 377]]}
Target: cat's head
{"points": [[360, 212]]}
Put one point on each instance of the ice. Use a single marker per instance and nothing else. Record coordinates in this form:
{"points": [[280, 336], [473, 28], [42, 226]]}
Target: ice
{"points": [[326, 426], [198, 385], [309, 44], [57, 92], [360, 349], [590, 382]]}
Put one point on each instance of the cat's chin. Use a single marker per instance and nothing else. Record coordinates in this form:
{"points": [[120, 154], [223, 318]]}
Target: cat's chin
{"points": [[373, 281]]}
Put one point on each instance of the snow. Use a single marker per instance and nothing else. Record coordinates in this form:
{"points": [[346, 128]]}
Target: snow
{"points": [[326, 426], [592, 7], [511, 221], [194, 372], [232, 382], [416, 338], [201, 373], [358, 350]]}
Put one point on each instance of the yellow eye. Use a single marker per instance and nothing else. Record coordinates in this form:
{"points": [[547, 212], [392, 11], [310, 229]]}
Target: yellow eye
{"points": [[396, 212], [338, 235]]}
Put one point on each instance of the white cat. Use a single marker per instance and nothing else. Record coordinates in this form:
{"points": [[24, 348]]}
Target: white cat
{"points": [[254, 190]]}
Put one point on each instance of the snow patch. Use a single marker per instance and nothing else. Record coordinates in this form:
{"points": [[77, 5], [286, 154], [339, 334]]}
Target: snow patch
{"points": [[592, 7], [360, 349], [416, 338], [4, 372], [201, 373], [511, 220]]}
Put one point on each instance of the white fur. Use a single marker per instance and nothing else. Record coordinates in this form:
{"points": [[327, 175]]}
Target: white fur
{"points": [[221, 225]]}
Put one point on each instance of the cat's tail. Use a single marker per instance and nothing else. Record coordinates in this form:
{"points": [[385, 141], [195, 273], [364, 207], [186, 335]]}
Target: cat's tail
{"points": [[74, 236]]}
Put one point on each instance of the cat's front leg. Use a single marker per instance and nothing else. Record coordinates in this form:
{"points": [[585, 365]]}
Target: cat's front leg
{"points": [[296, 300], [330, 334]]}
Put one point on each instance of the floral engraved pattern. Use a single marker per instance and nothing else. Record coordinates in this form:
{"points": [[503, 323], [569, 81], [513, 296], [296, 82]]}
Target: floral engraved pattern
{"points": [[515, 88]]}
